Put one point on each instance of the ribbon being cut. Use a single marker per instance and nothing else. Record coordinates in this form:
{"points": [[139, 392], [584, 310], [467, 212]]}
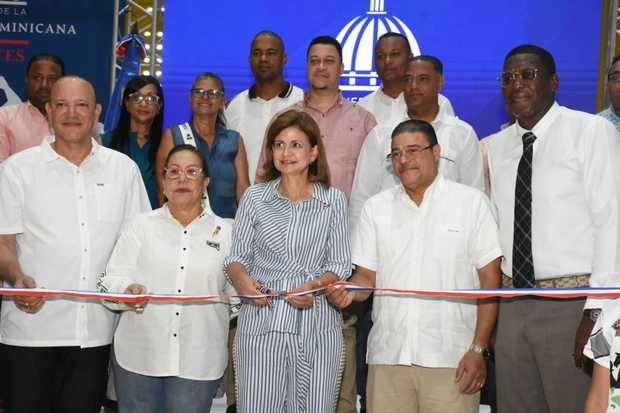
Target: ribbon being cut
{"points": [[560, 293]]}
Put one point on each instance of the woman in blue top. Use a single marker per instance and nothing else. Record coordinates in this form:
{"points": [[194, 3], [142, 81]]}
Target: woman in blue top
{"points": [[222, 148], [139, 128], [290, 234]]}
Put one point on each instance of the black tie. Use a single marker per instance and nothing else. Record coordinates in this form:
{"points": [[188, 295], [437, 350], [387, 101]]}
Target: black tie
{"points": [[522, 261]]}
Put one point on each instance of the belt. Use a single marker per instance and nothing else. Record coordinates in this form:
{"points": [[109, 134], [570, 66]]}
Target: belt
{"points": [[568, 281]]}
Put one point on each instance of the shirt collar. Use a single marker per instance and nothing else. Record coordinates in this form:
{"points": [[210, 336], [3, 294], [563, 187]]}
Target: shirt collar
{"points": [[284, 93], [439, 118], [33, 109], [51, 155], [306, 102], [164, 211], [271, 192], [543, 125], [431, 192], [388, 99]]}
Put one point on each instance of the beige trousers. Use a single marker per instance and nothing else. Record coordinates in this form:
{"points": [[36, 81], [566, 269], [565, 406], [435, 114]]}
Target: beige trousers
{"points": [[415, 389]]}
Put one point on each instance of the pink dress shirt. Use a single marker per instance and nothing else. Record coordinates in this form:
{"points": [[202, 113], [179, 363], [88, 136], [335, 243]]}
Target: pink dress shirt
{"points": [[22, 126], [343, 127]]}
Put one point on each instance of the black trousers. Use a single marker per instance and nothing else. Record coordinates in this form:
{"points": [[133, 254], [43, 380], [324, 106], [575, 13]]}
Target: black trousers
{"points": [[55, 379]]}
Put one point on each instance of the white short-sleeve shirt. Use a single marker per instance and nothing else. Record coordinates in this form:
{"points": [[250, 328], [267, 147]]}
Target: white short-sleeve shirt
{"points": [[385, 107], [437, 246], [249, 115], [67, 219], [173, 339]]}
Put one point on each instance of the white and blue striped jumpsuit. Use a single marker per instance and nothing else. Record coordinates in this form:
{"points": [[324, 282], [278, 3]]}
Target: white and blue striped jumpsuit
{"points": [[287, 359]]}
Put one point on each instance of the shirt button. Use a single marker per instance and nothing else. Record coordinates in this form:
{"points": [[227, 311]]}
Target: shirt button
{"points": [[83, 224], [81, 197], [184, 249], [85, 249], [182, 267], [83, 278], [175, 334], [178, 291], [185, 232], [177, 313]]}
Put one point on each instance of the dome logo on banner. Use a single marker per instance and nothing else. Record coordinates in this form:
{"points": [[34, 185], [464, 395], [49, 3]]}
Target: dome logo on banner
{"points": [[358, 38]]}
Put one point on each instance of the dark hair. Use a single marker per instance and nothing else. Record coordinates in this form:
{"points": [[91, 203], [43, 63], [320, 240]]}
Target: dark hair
{"points": [[267, 33], [192, 149], [46, 56], [318, 170], [437, 65], [221, 118], [394, 35], [415, 125], [120, 135], [546, 59], [328, 40]]}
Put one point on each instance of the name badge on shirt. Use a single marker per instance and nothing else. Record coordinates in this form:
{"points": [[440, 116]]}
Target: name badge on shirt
{"points": [[212, 244]]}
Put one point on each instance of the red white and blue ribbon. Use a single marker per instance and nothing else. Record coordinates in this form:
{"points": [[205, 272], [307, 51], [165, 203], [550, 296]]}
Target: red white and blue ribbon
{"points": [[560, 293]]}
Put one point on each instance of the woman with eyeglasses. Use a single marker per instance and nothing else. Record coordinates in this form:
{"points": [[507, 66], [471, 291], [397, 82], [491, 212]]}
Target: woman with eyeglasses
{"points": [[170, 357], [139, 128], [290, 234], [222, 148]]}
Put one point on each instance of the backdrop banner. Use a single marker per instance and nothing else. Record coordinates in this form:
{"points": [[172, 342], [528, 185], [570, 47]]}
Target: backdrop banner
{"points": [[470, 37], [78, 31]]}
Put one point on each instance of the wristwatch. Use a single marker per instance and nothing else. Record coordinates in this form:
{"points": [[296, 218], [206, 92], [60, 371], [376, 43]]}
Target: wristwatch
{"points": [[480, 350]]}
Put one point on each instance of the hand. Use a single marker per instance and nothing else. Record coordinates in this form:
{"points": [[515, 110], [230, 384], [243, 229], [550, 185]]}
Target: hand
{"points": [[471, 373], [302, 301], [135, 288], [339, 296], [28, 304], [581, 338], [249, 286]]}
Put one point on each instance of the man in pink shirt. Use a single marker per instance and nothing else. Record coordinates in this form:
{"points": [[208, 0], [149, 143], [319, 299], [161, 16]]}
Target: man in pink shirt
{"points": [[343, 124], [25, 125]]}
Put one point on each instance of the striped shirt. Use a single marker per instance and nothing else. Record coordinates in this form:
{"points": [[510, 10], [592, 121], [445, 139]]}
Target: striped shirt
{"points": [[283, 244]]}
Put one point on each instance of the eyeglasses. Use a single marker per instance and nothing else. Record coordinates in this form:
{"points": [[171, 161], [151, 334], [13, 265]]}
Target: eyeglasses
{"points": [[613, 77], [280, 145], [192, 172], [508, 78], [408, 153], [137, 98], [207, 93]]}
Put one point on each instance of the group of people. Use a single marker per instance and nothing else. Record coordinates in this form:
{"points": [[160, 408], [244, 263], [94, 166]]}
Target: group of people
{"points": [[284, 191]]}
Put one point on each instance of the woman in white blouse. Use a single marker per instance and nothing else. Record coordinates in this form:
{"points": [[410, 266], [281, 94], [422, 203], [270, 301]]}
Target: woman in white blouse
{"points": [[170, 357]]}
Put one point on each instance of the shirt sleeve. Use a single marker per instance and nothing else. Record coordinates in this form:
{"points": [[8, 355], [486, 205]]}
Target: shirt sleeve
{"points": [[11, 200], [367, 179], [483, 245], [338, 258], [364, 241], [137, 199], [602, 186], [122, 265], [598, 347], [470, 162], [242, 247]]}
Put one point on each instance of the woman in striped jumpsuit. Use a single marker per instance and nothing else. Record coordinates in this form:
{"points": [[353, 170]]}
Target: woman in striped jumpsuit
{"points": [[290, 234]]}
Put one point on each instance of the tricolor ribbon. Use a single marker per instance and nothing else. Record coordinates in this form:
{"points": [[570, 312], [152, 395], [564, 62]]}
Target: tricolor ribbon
{"points": [[561, 293]]}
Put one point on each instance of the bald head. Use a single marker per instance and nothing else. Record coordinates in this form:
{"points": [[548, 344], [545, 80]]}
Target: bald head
{"points": [[73, 109], [74, 83]]}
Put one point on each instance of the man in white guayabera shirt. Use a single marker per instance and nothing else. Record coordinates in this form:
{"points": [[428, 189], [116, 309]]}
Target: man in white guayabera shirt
{"points": [[62, 204]]}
